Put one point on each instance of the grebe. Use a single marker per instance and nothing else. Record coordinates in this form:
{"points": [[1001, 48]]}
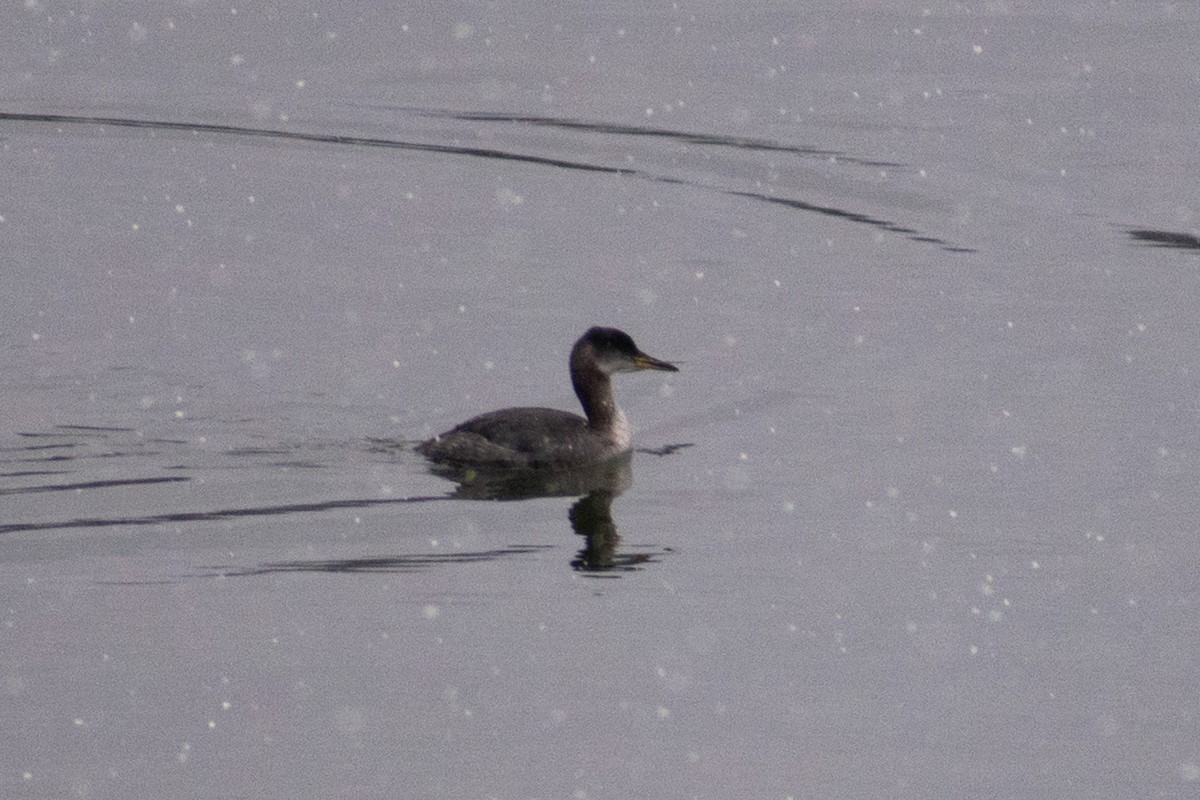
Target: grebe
{"points": [[545, 438]]}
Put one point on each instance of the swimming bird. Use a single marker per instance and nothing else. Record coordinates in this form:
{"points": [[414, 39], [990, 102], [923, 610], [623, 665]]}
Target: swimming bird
{"points": [[546, 438]]}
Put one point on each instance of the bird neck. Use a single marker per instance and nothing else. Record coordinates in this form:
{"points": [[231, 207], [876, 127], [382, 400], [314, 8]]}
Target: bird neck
{"points": [[594, 390]]}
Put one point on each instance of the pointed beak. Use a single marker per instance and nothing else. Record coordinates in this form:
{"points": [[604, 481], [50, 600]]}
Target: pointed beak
{"points": [[643, 361]]}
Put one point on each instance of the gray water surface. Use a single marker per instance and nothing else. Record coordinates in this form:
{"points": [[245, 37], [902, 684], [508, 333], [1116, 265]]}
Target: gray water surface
{"points": [[916, 518]]}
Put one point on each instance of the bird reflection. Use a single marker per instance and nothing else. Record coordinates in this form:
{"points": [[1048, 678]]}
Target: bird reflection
{"points": [[590, 516]]}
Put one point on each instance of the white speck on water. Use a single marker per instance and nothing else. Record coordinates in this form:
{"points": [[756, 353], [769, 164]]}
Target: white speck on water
{"points": [[137, 33], [1189, 771], [237, 60], [977, 49], [508, 197], [430, 612], [464, 30], [662, 713], [1019, 451]]}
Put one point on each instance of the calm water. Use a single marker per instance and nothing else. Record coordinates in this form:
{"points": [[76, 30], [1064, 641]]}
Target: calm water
{"points": [[917, 518]]}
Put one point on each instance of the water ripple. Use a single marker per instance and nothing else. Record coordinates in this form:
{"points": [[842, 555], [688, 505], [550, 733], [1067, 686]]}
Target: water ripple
{"points": [[501, 154], [1169, 239]]}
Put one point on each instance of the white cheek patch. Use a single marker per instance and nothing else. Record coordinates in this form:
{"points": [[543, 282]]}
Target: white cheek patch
{"points": [[612, 365]]}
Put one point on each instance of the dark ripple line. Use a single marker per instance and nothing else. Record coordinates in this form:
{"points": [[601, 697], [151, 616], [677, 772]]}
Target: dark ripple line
{"points": [[64, 458], [74, 432], [380, 564], [687, 137], [94, 428], [318, 138], [853, 216], [71, 487], [1171, 240], [33, 447], [474, 152], [211, 516]]}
